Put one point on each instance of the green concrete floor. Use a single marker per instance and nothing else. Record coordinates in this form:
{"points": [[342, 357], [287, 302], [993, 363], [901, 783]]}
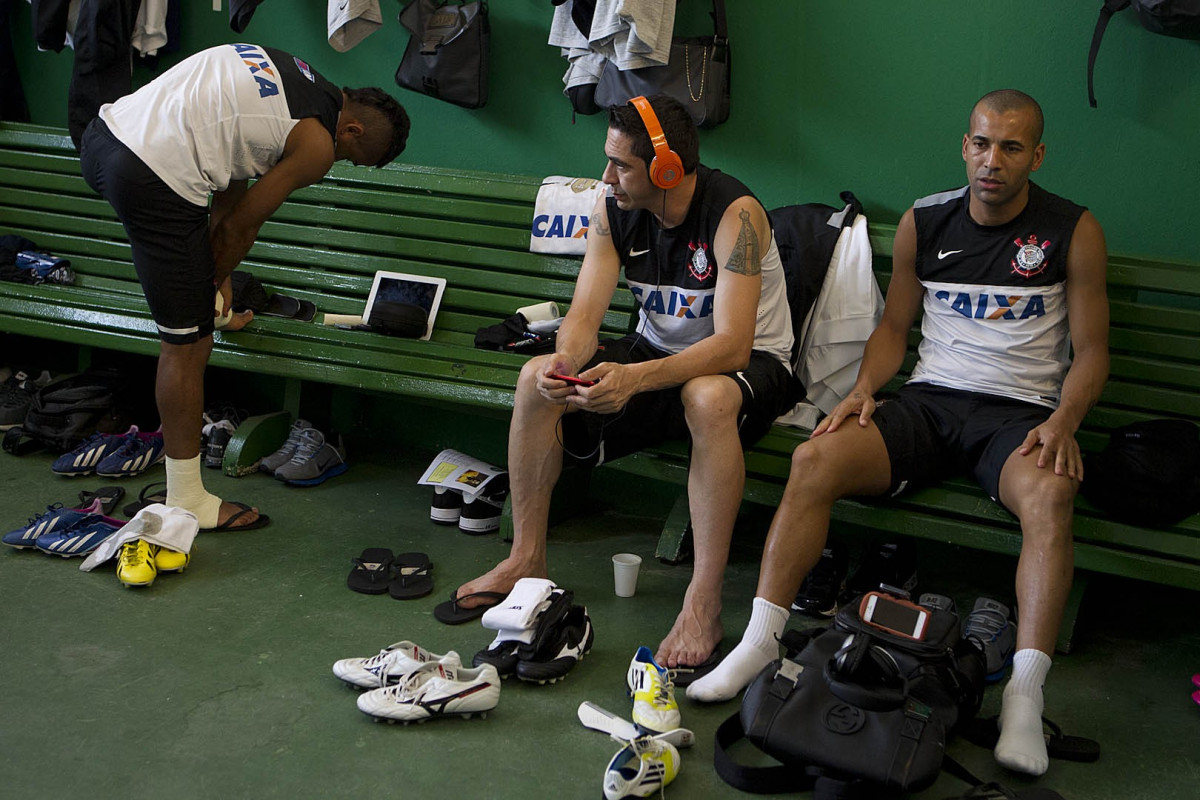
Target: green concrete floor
{"points": [[216, 683]]}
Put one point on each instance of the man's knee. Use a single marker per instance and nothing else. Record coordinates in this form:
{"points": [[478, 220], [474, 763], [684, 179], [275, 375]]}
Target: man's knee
{"points": [[1033, 491], [821, 469], [710, 401]]}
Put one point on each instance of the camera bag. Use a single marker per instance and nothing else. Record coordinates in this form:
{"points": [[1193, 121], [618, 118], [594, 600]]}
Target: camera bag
{"points": [[853, 711]]}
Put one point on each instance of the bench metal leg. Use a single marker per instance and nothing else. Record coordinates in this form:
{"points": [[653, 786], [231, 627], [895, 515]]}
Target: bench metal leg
{"points": [[1066, 632], [256, 437], [675, 543], [291, 397]]}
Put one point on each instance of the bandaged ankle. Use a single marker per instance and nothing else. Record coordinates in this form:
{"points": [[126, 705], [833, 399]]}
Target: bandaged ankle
{"points": [[185, 489], [518, 612]]}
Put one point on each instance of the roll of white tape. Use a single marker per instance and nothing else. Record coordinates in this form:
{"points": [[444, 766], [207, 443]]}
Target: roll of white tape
{"points": [[540, 311]]}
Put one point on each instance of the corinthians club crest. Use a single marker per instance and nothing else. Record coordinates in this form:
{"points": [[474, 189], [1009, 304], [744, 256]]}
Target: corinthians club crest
{"points": [[1031, 257], [699, 266]]}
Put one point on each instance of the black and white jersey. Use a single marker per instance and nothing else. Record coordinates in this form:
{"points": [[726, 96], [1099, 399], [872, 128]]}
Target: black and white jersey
{"points": [[995, 296], [673, 273], [222, 114]]}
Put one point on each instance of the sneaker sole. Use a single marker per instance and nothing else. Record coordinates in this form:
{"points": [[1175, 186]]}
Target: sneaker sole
{"points": [[478, 526], [442, 517], [132, 584], [332, 472]]}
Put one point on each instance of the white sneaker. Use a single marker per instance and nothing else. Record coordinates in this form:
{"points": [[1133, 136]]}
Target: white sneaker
{"points": [[654, 706], [435, 690], [641, 768], [390, 665]]}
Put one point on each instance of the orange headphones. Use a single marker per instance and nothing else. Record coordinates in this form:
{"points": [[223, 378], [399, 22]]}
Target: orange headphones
{"points": [[666, 169]]}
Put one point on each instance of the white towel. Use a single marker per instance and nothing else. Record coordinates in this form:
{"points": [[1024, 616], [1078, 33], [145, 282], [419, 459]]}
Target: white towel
{"points": [[351, 21], [166, 526], [561, 213]]}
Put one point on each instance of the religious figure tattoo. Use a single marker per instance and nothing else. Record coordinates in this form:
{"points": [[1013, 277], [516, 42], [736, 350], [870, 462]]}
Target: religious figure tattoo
{"points": [[597, 226], [746, 258]]}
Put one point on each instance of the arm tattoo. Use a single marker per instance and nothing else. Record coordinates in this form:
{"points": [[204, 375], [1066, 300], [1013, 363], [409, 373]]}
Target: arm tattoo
{"points": [[745, 258], [597, 225]]}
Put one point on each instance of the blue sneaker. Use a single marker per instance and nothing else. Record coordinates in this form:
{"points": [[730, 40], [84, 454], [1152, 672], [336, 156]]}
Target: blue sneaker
{"points": [[45, 268], [54, 518], [84, 458], [139, 452], [81, 538]]}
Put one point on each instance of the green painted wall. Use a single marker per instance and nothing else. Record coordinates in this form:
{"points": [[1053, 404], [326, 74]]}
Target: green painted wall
{"points": [[868, 95]]}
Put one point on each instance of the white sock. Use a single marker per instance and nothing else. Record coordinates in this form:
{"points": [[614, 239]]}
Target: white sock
{"points": [[185, 489], [759, 647], [1022, 746]]}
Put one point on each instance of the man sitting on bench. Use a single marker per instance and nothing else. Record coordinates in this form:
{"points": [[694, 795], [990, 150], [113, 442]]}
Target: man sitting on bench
{"points": [[1010, 278], [206, 126], [708, 360]]}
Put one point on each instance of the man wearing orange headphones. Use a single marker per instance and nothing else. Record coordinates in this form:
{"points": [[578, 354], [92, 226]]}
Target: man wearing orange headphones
{"points": [[708, 361]]}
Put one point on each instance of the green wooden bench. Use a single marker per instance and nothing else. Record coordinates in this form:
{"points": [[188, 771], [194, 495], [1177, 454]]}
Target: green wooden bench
{"points": [[325, 245], [327, 241]]}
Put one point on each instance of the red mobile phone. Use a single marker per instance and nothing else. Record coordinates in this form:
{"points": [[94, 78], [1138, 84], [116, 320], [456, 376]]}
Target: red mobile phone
{"points": [[573, 381]]}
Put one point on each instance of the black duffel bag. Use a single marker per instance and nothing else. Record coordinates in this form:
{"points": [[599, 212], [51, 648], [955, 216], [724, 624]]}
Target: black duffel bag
{"points": [[66, 411], [856, 711]]}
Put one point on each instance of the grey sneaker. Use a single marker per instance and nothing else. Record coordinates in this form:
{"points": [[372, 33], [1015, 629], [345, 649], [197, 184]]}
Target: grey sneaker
{"points": [[315, 460], [990, 628], [284, 454]]}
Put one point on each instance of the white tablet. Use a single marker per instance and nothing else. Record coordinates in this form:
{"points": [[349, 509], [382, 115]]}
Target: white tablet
{"points": [[401, 287]]}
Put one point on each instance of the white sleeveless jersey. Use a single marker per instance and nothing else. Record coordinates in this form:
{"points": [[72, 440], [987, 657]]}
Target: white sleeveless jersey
{"points": [[995, 297], [221, 115]]}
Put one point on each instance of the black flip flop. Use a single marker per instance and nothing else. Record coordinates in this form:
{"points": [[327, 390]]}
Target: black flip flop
{"points": [[228, 525], [412, 577], [372, 571], [150, 494], [986, 732], [684, 675], [109, 496], [451, 613]]}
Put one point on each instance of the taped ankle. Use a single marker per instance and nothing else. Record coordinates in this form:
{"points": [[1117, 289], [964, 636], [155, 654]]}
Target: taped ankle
{"points": [[185, 489]]}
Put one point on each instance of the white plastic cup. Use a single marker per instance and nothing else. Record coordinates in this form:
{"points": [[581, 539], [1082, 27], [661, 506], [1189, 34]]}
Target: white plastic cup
{"points": [[625, 573]]}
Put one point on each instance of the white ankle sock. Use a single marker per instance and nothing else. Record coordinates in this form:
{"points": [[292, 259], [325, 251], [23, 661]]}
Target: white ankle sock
{"points": [[759, 647], [1022, 746], [185, 489]]}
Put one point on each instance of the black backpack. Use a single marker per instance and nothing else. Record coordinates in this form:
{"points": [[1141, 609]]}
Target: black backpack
{"points": [[806, 236], [853, 711], [1149, 474], [66, 411], [1178, 18]]}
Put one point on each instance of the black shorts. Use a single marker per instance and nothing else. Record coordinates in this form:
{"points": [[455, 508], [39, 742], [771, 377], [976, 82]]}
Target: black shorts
{"points": [[932, 432], [167, 234], [767, 385]]}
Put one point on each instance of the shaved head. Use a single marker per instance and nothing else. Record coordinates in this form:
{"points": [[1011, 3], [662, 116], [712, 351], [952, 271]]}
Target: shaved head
{"points": [[1003, 101]]}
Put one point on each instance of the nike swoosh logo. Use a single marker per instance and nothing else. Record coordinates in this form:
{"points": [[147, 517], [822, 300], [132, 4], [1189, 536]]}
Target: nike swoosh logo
{"points": [[943, 253], [636, 253]]}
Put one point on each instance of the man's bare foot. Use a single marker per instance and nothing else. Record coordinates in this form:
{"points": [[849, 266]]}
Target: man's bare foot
{"points": [[501, 578], [696, 633], [226, 516]]}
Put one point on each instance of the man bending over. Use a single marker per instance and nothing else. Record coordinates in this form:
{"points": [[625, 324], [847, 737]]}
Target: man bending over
{"points": [[205, 127]]}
